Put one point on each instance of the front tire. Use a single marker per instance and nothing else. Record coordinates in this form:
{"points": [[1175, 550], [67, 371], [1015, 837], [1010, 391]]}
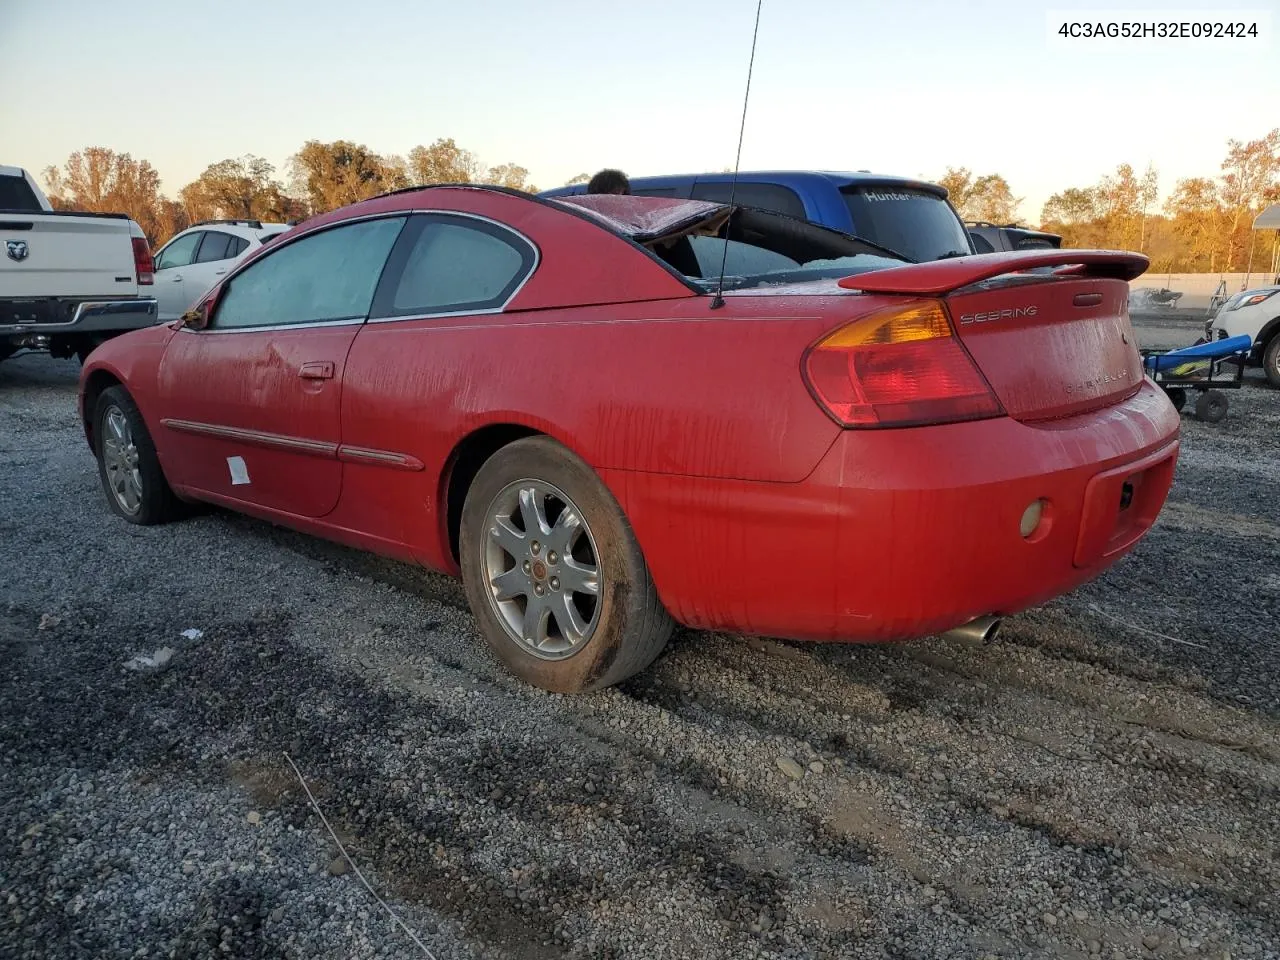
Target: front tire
{"points": [[1271, 360], [553, 572], [127, 463]]}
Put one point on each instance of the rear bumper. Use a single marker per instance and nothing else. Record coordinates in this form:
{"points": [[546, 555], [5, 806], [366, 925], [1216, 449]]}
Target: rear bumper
{"points": [[94, 316], [900, 534]]}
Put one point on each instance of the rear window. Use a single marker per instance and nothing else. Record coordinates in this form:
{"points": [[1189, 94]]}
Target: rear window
{"points": [[16, 194], [1036, 243], [916, 223]]}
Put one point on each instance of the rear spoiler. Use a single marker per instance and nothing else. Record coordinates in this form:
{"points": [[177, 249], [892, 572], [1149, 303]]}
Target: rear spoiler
{"points": [[937, 277]]}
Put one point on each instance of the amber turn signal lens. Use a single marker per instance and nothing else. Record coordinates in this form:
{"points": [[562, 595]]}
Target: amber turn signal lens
{"points": [[920, 321]]}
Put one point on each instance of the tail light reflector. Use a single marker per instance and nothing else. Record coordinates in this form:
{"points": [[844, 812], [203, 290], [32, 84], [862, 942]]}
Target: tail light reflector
{"points": [[143, 265], [899, 367]]}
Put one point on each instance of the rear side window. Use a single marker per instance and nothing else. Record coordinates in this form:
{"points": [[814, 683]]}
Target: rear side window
{"points": [[766, 196], [16, 194], [981, 243], [327, 276], [453, 265], [237, 246], [915, 223], [214, 246]]}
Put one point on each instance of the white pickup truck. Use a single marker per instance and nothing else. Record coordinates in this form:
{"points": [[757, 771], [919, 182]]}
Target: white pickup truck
{"points": [[68, 281]]}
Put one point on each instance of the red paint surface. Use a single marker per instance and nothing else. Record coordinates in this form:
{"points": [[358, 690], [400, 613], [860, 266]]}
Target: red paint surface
{"points": [[755, 511]]}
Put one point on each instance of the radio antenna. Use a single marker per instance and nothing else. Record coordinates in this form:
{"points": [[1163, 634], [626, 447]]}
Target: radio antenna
{"points": [[718, 300]]}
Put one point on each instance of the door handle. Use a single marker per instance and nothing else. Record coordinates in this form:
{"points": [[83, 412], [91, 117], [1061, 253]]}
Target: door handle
{"points": [[317, 370], [218, 273], [177, 279]]}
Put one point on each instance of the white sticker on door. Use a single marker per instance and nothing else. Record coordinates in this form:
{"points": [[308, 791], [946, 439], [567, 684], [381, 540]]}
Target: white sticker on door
{"points": [[239, 472]]}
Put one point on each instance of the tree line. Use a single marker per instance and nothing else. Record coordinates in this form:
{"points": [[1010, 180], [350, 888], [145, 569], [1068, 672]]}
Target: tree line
{"points": [[318, 178], [1203, 225]]}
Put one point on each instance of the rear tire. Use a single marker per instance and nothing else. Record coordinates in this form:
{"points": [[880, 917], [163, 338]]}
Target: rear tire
{"points": [[1211, 406], [127, 462], [571, 608], [1271, 360]]}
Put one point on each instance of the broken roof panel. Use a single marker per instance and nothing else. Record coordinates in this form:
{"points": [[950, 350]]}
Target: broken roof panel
{"points": [[645, 219]]}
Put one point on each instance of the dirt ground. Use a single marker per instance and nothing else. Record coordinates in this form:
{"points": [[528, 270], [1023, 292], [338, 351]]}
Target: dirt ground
{"points": [[1105, 780]]}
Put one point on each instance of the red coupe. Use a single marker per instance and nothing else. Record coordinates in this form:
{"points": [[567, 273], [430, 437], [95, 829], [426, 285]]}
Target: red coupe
{"points": [[563, 402]]}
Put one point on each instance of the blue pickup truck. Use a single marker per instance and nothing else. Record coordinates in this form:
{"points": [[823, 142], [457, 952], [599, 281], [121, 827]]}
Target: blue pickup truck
{"points": [[910, 217]]}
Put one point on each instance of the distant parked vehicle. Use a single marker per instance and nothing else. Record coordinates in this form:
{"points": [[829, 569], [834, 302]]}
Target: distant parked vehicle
{"points": [[194, 260], [993, 238], [911, 217], [1254, 312], [68, 281]]}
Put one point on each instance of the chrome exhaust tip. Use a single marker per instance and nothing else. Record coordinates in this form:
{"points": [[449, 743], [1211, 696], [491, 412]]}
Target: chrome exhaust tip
{"points": [[981, 630]]}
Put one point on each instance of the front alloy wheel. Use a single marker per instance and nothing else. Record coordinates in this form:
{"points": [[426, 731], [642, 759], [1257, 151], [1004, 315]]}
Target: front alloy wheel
{"points": [[130, 471], [120, 461]]}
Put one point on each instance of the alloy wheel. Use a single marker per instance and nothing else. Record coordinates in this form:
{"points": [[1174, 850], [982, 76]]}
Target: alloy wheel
{"points": [[120, 457], [542, 569]]}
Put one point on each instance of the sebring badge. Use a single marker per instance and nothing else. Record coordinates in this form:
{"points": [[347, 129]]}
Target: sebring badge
{"points": [[16, 249], [1013, 314]]}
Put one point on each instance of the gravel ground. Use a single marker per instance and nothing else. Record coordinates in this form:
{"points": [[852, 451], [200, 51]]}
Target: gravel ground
{"points": [[1102, 782]]}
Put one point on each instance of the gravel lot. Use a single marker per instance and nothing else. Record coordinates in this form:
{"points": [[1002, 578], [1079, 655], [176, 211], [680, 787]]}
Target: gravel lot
{"points": [[1104, 781]]}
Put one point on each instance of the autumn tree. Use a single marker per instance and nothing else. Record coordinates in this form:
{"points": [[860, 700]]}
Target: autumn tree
{"points": [[510, 175], [444, 162], [1111, 213], [241, 188], [987, 197], [332, 175], [580, 178], [100, 180], [1195, 214], [1251, 175]]}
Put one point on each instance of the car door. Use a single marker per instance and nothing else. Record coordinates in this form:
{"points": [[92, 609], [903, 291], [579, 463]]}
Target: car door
{"points": [[448, 271], [171, 264], [251, 404], [213, 258]]}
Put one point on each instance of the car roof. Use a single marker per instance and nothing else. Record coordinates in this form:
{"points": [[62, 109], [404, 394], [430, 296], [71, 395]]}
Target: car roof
{"points": [[245, 228], [836, 178]]}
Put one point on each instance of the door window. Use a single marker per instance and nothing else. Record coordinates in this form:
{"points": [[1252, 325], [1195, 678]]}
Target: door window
{"points": [[454, 265], [180, 252], [327, 276]]}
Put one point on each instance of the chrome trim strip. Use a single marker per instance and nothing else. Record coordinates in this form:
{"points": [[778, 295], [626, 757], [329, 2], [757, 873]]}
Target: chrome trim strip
{"points": [[272, 327], [320, 448], [382, 458], [434, 316], [506, 227]]}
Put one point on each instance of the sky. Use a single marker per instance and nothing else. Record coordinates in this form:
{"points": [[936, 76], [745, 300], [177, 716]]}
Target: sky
{"points": [[563, 87]]}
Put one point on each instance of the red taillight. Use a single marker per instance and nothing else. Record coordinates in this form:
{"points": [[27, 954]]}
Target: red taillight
{"points": [[142, 263], [898, 368]]}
